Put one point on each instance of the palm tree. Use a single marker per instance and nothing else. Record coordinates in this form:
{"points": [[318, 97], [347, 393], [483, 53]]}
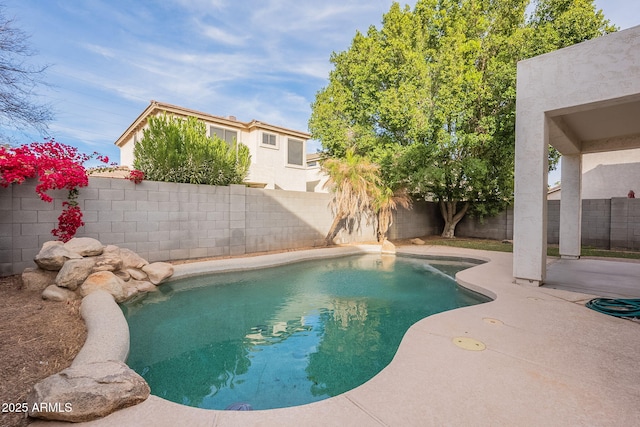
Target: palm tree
{"points": [[384, 205], [355, 183]]}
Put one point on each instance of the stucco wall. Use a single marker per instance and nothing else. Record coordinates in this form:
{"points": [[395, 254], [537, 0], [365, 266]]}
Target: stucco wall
{"points": [[167, 221], [610, 174]]}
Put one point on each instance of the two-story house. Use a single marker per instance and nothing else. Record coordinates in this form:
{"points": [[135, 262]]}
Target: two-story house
{"points": [[278, 154]]}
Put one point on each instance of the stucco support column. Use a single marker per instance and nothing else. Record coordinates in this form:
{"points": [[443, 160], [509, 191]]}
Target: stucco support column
{"points": [[530, 204], [571, 206]]}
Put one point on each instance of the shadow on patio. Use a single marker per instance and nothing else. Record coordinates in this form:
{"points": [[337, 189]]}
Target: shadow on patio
{"points": [[602, 278]]}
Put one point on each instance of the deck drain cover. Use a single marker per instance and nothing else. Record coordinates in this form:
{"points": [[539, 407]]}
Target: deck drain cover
{"points": [[493, 321], [469, 344]]}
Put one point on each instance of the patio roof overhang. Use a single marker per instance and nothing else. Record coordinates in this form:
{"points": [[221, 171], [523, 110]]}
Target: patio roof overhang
{"points": [[581, 99]]}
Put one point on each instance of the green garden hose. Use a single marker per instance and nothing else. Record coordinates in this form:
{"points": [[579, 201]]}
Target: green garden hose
{"points": [[616, 307]]}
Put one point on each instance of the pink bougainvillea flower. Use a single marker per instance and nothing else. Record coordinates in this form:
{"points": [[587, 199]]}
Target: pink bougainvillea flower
{"points": [[57, 167]]}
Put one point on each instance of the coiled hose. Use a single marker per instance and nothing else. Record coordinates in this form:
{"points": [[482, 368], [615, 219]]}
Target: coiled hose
{"points": [[628, 308]]}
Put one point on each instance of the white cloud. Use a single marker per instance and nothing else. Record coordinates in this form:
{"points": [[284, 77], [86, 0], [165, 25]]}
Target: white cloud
{"points": [[221, 36], [202, 6], [100, 50], [253, 59], [288, 17]]}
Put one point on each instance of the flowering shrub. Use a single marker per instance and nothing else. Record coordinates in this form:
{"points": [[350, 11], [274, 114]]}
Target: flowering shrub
{"points": [[57, 166], [136, 176], [68, 222]]}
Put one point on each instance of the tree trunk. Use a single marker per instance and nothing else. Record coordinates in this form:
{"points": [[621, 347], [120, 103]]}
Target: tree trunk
{"points": [[338, 223], [380, 236], [451, 216]]}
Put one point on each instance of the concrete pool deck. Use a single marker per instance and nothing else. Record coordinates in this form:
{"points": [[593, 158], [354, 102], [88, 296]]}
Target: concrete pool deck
{"points": [[548, 361]]}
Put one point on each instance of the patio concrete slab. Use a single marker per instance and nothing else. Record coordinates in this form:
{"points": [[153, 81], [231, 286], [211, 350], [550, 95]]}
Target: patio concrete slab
{"points": [[603, 278], [548, 361]]}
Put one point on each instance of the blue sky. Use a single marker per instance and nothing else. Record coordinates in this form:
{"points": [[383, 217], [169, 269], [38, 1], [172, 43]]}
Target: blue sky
{"points": [[262, 60]]}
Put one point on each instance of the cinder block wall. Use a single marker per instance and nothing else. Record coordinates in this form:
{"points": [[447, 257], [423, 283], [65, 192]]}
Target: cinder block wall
{"points": [[625, 223], [596, 217], [596, 223], [606, 223], [423, 219], [6, 230], [553, 222], [168, 221], [499, 227]]}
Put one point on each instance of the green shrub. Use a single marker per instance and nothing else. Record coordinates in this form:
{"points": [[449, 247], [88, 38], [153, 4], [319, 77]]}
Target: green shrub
{"points": [[174, 149]]}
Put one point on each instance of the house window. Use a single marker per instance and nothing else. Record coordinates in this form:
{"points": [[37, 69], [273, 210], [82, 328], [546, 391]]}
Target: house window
{"points": [[269, 139], [224, 134], [295, 154]]}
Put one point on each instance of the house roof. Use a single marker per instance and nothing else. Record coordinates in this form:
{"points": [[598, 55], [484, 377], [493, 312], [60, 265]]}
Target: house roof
{"points": [[314, 156], [156, 107], [554, 189]]}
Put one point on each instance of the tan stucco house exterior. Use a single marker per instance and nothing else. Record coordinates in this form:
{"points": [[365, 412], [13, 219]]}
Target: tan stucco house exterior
{"points": [[316, 177], [607, 174], [278, 154]]}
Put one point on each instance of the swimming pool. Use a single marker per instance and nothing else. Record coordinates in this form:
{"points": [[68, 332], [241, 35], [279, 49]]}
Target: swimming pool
{"points": [[284, 336]]}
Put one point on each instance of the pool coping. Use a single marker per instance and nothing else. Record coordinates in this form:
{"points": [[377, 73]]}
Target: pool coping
{"points": [[533, 370]]}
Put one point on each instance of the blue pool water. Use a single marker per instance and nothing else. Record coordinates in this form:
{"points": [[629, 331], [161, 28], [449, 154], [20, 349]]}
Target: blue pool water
{"points": [[284, 336]]}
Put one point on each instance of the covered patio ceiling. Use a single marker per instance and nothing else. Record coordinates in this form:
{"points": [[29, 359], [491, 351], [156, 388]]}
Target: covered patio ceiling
{"points": [[605, 126]]}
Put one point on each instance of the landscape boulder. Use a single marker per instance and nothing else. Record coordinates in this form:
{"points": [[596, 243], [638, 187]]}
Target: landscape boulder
{"points": [[388, 247], [158, 271], [106, 281], [56, 293], [135, 287], [53, 255], [74, 272], [85, 246], [123, 274], [143, 285], [87, 392], [110, 259], [417, 241], [136, 274], [37, 279], [131, 259], [74, 266]]}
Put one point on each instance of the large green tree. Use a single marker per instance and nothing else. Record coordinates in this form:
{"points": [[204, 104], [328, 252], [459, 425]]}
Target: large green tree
{"points": [[175, 149], [430, 96], [560, 23]]}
